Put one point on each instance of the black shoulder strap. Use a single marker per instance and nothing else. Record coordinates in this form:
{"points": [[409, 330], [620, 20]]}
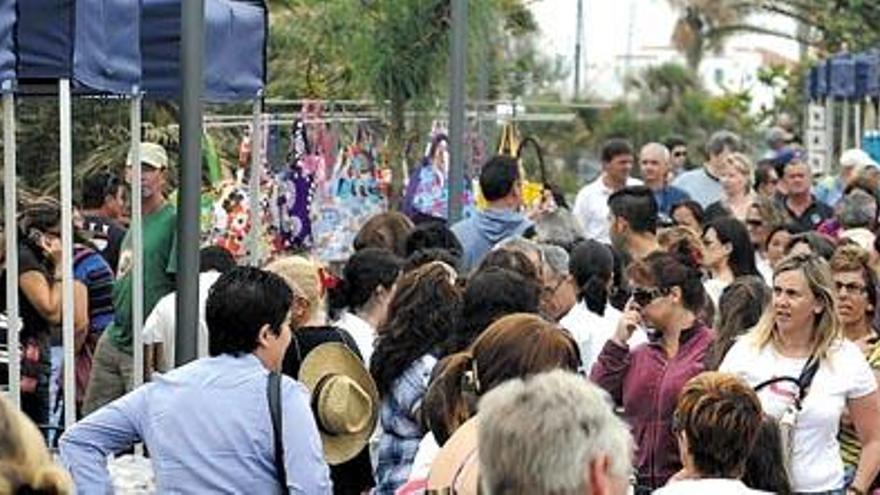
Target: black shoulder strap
{"points": [[803, 382], [273, 390]]}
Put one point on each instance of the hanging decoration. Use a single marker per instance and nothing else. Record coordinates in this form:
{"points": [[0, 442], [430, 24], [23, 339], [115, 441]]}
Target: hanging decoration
{"points": [[353, 194]]}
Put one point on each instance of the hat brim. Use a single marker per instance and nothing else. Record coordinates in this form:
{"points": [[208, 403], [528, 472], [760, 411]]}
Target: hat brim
{"points": [[334, 358]]}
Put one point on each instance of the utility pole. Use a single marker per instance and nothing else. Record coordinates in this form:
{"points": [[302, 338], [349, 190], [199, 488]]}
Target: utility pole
{"points": [[629, 48], [577, 49], [458, 74]]}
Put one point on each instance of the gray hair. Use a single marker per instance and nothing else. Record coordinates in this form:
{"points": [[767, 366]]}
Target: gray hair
{"points": [[537, 436], [519, 243], [858, 209], [721, 140], [555, 258], [664, 151], [559, 228]]}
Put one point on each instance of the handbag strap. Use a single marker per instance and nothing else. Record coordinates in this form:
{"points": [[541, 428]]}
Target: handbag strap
{"points": [[803, 381], [519, 155], [273, 391]]}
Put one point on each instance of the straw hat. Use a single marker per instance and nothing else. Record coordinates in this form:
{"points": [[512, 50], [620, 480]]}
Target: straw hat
{"points": [[344, 399]]}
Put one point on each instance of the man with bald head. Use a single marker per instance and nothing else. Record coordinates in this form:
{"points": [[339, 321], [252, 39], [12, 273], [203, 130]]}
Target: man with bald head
{"points": [[654, 163]]}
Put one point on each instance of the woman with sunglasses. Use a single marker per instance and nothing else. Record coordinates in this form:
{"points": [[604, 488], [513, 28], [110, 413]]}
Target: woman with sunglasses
{"points": [[816, 374], [761, 216], [667, 295]]}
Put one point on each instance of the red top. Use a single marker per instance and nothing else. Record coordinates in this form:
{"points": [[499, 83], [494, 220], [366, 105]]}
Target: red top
{"points": [[645, 382]]}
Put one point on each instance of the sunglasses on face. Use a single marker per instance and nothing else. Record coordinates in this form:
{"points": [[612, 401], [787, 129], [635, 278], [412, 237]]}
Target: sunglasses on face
{"points": [[645, 296], [679, 154], [751, 222]]}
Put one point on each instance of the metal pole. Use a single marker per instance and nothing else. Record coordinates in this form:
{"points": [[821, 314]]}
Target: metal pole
{"points": [[456, 107], [858, 124], [829, 133], [67, 301], [844, 127], [137, 243], [13, 322], [254, 185], [191, 48], [577, 49]]}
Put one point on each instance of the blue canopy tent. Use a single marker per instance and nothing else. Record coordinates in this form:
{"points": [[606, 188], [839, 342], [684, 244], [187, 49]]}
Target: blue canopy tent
{"points": [[235, 42], [119, 47], [93, 46]]}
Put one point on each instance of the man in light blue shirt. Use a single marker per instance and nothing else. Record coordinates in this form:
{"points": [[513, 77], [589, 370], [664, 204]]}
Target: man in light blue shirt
{"points": [[207, 424], [703, 185]]}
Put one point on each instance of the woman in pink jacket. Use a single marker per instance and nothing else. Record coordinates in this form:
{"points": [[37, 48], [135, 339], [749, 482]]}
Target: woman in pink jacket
{"points": [[667, 295]]}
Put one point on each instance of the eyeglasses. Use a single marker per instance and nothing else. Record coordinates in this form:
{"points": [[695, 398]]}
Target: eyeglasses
{"points": [[753, 222], [645, 296], [679, 154], [850, 288], [550, 291]]}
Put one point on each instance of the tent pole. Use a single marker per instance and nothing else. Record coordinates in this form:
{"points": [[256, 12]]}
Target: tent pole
{"points": [[457, 95], [190, 170], [137, 242], [67, 300], [254, 185], [11, 231], [844, 127], [858, 124], [829, 133]]}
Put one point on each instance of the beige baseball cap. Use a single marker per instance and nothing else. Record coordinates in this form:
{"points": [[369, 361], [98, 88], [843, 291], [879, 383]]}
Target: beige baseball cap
{"points": [[152, 154]]}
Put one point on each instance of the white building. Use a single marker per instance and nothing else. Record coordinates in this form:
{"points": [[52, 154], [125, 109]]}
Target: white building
{"points": [[622, 37]]}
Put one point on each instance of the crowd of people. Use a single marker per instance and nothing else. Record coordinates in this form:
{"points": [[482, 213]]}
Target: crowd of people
{"points": [[702, 330]]}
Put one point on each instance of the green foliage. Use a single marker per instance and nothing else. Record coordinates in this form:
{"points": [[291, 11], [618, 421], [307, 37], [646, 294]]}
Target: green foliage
{"points": [[669, 100]]}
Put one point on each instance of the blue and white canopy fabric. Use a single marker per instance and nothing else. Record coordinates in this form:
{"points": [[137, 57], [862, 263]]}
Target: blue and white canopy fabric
{"points": [[7, 45], [92, 42], [846, 77], [113, 46], [235, 44]]}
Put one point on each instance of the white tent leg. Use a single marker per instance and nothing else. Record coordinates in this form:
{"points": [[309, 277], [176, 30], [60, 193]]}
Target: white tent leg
{"points": [[254, 185], [11, 232], [137, 238], [857, 119], [844, 128], [67, 301]]}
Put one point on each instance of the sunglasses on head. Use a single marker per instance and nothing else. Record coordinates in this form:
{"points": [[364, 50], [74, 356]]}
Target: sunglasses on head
{"points": [[645, 296]]}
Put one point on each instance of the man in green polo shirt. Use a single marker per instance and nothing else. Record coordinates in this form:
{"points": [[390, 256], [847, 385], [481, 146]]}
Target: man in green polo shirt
{"points": [[112, 365]]}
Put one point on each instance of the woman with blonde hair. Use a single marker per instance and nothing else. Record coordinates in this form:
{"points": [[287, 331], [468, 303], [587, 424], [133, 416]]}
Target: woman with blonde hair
{"points": [[25, 463], [308, 279], [737, 184], [806, 373]]}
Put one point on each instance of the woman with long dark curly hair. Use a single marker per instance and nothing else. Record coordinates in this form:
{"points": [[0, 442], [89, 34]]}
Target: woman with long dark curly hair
{"points": [[424, 310]]}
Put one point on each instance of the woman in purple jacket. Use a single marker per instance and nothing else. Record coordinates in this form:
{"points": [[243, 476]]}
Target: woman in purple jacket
{"points": [[667, 295]]}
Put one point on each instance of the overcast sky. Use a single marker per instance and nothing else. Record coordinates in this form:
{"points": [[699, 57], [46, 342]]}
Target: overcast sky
{"points": [[607, 30]]}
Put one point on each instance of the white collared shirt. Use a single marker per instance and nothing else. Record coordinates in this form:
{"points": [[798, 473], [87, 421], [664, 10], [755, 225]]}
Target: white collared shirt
{"points": [[715, 486], [591, 208]]}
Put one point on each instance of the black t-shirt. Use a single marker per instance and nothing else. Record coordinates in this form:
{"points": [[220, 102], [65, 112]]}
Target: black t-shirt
{"points": [[812, 217], [356, 475], [28, 261], [107, 236]]}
